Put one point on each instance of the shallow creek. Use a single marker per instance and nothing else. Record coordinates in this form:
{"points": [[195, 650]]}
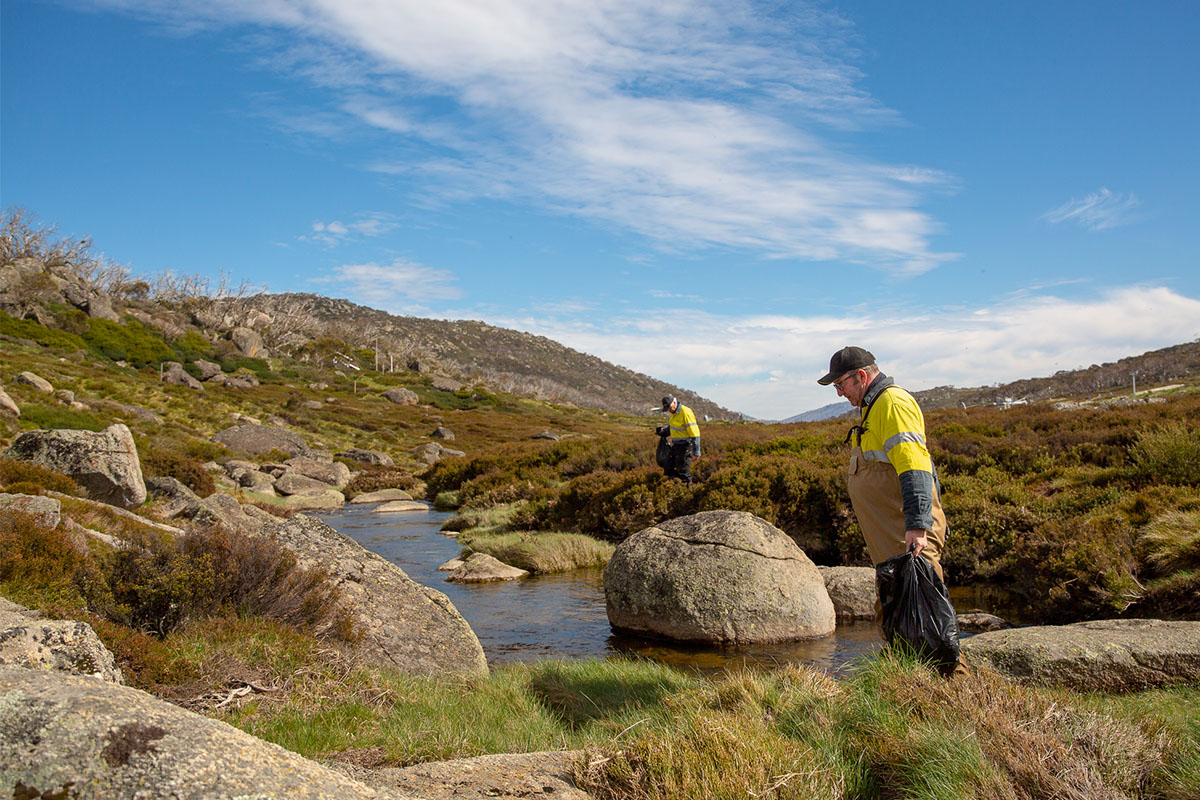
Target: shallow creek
{"points": [[562, 616]]}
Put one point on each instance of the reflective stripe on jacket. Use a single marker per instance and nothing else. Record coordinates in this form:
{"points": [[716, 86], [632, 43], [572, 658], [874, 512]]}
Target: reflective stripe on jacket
{"points": [[893, 432], [684, 427]]}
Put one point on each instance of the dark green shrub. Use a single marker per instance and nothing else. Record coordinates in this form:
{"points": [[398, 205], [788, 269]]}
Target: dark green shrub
{"points": [[35, 332], [1168, 453], [191, 346], [1074, 568], [373, 477], [164, 460], [258, 366], [132, 341]]}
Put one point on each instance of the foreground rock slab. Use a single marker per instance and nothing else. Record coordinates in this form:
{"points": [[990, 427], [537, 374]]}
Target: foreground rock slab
{"points": [[716, 576], [545, 775], [1104, 655], [403, 625], [68, 736]]}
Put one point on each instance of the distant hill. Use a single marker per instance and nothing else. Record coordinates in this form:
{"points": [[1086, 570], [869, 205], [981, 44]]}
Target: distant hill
{"points": [[831, 411], [512, 361], [1178, 363]]}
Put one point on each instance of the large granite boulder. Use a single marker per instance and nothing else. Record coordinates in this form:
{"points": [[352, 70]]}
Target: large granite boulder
{"points": [[7, 405], [75, 737], [403, 624], [176, 375], [295, 483], [1105, 655], [252, 438], [176, 499], [207, 369], [716, 576], [381, 496], [248, 342], [36, 381], [28, 641], [325, 500], [402, 396], [367, 457], [327, 471], [104, 464]]}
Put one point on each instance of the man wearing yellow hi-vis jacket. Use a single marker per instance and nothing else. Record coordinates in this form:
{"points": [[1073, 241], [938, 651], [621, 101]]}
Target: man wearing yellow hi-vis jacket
{"points": [[893, 485], [685, 438]]}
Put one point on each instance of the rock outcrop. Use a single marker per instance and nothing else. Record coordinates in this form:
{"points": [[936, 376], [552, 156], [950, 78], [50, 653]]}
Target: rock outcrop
{"points": [[397, 506], [403, 624], [74, 737], [540, 776], [175, 374], [250, 438], [36, 381], [483, 568], [852, 590], [27, 640], [402, 396], [104, 464], [46, 511], [7, 405], [367, 457], [381, 496], [1104, 655], [716, 576]]}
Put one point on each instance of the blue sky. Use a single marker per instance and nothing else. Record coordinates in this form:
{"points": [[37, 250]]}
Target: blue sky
{"points": [[719, 194]]}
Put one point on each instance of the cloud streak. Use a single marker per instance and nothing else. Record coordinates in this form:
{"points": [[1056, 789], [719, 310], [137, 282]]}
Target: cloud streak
{"points": [[402, 287], [1097, 211], [767, 366], [694, 124]]}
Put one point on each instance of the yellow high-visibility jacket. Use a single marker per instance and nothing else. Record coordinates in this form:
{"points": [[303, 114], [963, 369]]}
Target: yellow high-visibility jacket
{"points": [[684, 428], [892, 431]]}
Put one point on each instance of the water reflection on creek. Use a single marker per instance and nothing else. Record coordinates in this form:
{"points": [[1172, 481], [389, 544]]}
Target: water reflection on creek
{"points": [[562, 615]]}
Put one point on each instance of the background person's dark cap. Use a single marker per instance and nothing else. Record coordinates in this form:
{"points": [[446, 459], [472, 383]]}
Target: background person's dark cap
{"points": [[844, 360]]}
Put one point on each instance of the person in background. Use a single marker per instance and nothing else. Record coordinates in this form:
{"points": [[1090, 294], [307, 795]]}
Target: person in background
{"points": [[684, 438], [892, 482]]}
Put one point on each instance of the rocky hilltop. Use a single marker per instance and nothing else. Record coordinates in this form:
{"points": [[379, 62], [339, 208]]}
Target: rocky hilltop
{"points": [[61, 284]]}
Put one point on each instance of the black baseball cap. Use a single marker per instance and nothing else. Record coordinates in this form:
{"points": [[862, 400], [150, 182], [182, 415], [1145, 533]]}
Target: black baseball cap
{"points": [[666, 403], [844, 360]]}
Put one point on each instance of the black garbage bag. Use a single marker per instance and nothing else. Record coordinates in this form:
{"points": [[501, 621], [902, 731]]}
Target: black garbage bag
{"points": [[663, 454], [917, 614]]}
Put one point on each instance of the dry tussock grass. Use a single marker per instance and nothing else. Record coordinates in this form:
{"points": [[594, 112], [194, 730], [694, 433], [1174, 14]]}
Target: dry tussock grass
{"points": [[1041, 742]]}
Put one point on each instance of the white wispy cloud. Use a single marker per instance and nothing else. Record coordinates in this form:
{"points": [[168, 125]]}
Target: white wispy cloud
{"points": [[767, 366], [402, 287], [694, 123], [1097, 211], [336, 231]]}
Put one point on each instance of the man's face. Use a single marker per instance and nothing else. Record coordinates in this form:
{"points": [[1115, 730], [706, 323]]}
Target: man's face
{"points": [[853, 386], [673, 407]]}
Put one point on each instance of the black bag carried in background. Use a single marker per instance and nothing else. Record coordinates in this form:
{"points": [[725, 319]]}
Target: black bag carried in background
{"points": [[916, 610], [663, 454]]}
